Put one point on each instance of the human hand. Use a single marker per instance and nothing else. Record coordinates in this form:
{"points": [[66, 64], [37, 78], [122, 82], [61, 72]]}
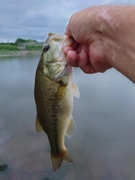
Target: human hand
{"points": [[88, 51]]}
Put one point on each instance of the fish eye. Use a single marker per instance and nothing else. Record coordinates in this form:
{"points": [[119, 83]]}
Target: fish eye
{"points": [[46, 47]]}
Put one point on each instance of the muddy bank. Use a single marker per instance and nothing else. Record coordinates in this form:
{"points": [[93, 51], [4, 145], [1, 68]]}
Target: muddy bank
{"points": [[18, 53]]}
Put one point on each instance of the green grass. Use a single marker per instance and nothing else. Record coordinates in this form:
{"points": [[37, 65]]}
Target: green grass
{"points": [[12, 48], [33, 47], [8, 47]]}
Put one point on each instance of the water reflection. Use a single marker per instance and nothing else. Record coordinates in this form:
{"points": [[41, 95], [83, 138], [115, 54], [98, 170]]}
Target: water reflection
{"points": [[103, 147]]}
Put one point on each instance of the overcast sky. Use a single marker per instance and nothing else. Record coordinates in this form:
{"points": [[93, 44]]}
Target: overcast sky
{"points": [[35, 18]]}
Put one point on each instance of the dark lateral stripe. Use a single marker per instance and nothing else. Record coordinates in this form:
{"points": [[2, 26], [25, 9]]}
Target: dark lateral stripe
{"points": [[55, 136], [53, 115], [54, 124]]}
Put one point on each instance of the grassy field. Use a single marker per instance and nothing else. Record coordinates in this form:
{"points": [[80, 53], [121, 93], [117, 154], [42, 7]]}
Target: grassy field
{"points": [[34, 47], [14, 49], [8, 47]]}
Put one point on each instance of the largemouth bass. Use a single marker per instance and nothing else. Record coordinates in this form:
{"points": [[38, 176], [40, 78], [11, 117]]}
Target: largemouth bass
{"points": [[54, 91]]}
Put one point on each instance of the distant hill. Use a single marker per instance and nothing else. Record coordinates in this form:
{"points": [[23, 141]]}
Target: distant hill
{"points": [[25, 41]]}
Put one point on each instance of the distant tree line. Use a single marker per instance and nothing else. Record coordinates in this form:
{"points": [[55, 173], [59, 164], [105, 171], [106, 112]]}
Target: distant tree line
{"points": [[23, 41]]}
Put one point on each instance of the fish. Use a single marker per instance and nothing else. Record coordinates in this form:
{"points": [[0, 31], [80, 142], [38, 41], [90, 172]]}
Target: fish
{"points": [[54, 91]]}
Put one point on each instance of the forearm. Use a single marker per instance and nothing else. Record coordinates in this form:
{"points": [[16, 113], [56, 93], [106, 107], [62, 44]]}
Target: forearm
{"points": [[118, 32], [105, 37]]}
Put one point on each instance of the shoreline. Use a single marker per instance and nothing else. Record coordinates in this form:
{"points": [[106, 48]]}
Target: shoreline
{"points": [[18, 53]]}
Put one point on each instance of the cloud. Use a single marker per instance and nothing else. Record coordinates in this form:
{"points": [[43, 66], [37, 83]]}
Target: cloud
{"points": [[34, 19]]}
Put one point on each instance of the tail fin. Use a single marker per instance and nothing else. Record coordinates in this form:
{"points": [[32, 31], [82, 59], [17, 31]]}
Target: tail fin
{"points": [[58, 159]]}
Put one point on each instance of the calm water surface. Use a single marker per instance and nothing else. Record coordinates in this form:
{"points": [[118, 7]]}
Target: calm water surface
{"points": [[103, 147]]}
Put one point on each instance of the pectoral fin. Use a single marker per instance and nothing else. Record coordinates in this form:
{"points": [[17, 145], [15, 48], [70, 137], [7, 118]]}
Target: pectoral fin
{"points": [[38, 126], [71, 129], [61, 91], [75, 90]]}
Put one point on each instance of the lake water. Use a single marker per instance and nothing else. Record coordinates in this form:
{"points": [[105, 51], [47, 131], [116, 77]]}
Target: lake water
{"points": [[103, 147]]}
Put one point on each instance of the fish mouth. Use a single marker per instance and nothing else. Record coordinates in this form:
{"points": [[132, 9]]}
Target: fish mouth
{"points": [[67, 41]]}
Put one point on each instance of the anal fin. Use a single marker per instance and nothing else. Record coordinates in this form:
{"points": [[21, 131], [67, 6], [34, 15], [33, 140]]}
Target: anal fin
{"points": [[71, 128], [38, 126]]}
